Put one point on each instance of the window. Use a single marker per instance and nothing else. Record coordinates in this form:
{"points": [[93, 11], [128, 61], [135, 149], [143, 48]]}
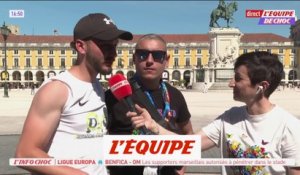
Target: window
{"points": [[245, 50], [187, 51], [176, 62], [120, 62], [176, 51], [27, 62], [187, 62], [16, 52], [74, 61], [280, 50], [199, 63], [39, 51], [50, 52], [130, 62], [293, 51], [40, 62], [63, 63], [51, 63], [63, 52], [269, 50], [292, 62], [130, 51], [119, 51], [74, 52], [199, 51], [16, 62], [27, 52]]}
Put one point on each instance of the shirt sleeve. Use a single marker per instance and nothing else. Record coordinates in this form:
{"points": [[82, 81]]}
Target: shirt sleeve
{"points": [[183, 111], [213, 129], [184, 114], [290, 144]]}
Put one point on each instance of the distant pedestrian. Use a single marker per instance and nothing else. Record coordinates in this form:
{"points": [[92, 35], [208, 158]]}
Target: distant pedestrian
{"points": [[205, 88], [182, 86], [32, 89]]}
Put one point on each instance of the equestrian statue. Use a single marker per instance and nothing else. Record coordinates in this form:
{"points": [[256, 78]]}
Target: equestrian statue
{"points": [[224, 11]]}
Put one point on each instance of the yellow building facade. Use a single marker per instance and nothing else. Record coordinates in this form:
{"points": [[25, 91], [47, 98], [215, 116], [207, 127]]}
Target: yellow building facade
{"points": [[33, 59]]}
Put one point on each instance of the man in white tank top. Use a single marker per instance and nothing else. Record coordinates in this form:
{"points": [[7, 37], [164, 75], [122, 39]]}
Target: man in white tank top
{"points": [[67, 117]]}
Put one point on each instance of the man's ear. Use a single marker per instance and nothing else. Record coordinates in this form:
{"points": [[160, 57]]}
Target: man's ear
{"points": [[80, 46]]}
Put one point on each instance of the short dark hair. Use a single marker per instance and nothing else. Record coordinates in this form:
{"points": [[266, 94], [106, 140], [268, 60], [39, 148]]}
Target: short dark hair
{"points": [[150, 36], [262, 66]]}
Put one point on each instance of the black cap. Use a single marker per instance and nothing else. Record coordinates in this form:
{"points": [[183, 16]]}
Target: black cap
{"points": [[99, 26]]}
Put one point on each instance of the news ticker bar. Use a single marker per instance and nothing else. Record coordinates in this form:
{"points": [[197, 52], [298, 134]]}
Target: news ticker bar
{"points": [[131, 150], [138, 162]]}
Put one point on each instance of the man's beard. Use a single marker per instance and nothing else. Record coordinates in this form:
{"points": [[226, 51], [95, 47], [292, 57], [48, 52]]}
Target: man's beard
{"points": [[97, 65], [106, 71]]}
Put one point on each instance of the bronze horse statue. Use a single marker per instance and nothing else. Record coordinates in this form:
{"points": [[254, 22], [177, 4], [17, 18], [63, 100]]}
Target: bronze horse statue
{"points": [[226, 14]]}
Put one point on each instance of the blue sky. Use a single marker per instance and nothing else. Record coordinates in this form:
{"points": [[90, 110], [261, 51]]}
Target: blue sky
{"points": [[139, 17]]}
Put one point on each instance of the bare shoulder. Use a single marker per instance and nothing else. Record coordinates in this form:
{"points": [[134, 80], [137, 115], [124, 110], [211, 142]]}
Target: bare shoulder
{"points": [[54, 91], [42, 119], [47, 105]]}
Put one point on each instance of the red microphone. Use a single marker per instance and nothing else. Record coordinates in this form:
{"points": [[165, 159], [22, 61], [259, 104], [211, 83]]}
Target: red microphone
{"points": [[119, 86], [121, 89]]}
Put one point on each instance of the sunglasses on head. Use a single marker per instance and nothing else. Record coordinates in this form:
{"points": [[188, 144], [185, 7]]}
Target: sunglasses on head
{"points": [[158, 55]]}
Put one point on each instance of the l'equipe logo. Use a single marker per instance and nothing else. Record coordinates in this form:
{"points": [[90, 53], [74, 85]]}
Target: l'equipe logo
{"points": [[273, 17], [150, 149]]}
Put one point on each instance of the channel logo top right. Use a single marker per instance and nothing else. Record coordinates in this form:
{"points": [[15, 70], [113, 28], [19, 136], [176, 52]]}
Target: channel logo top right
{"points": [[273, 17]]}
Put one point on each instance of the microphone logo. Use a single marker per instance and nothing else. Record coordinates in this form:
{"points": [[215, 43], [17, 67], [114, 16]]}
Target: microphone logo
{"points": [[118, 85]]}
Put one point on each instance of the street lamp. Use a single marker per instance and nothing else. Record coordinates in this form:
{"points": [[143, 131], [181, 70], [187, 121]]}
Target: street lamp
{"points": [[5, 32]]}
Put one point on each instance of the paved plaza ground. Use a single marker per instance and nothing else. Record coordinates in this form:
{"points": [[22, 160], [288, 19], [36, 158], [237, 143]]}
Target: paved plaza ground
{"points": [[204, 107]]}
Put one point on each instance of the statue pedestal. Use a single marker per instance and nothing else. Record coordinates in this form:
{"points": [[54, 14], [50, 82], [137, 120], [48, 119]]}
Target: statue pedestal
{"points": [[224, 46], [224, 49]]}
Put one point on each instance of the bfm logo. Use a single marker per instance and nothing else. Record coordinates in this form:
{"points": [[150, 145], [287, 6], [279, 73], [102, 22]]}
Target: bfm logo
{"points": [[273, 17]]}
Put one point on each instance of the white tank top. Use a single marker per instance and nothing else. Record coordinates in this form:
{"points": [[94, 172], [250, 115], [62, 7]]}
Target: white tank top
{"points": [[82, 124]]}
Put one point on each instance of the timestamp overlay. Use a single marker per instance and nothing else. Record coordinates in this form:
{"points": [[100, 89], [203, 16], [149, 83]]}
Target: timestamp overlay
{"points": [[17, 13]]}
